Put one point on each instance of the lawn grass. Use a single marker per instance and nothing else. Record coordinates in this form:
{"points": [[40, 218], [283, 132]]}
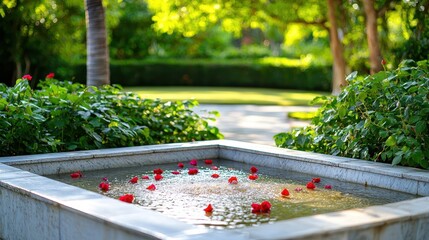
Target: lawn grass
{"points": [[229, 95]]}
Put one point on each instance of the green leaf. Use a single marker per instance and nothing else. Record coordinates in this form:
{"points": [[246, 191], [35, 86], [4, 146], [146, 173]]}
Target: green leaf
{"points": [[3, 104], [420, 127], [424, 163], [351, 76], [71, 147], [397, 159], [342, 111], [391, 141]]}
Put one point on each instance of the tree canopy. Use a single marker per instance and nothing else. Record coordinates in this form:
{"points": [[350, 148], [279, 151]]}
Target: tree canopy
{"points": [[44, 35]]}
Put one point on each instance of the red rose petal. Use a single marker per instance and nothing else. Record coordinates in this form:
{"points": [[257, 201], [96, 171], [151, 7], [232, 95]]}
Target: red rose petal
{"points": [[158, 171], [265, 206], [145, 177], [50, 75], [215, 168], [129, 198], [298, 189], [215, 175], [256, 207], [208, 209], [134, 180], [253, 177], [27, 76], [253, 169], [77, 174], [193, 162], [193, 171], [233, 180], [180, 165], [285, 193], [310, 185], [158, 177], [151, 187], [104, 186], [316, 180], [175, 172], [208, 161], [328, 187]]}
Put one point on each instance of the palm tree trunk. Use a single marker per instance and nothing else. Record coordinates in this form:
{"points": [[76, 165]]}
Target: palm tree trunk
{"points": [[339, 64], [97, 62], [372, 36]]}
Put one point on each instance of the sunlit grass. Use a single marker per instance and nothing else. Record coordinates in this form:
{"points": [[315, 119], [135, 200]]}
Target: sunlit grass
{"points": [[302, 115], [228, 95]]}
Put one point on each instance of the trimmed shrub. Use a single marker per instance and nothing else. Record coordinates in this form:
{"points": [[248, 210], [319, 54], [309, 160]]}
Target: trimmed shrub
{"points": [[383, 117], [61, 116], [227, 73]]}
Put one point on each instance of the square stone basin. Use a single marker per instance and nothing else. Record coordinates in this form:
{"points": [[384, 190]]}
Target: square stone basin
{"points": [[35, 207]]}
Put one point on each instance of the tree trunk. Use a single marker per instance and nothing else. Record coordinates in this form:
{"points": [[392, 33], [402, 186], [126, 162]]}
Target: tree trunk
{"points": [[372, 36], [339, 64], [97, 62]]}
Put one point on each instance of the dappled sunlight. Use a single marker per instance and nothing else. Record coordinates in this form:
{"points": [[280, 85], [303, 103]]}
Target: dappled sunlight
{"points": [[222, 95]]}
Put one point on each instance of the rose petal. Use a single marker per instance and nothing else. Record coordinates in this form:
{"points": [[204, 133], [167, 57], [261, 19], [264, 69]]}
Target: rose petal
{"points": [[193, 171], [145, 177], [310, 185], [285, 192], [27, 76], [298, 189], [215, 175], [253, 169], [158, 171], [151, 187], [208, 161], [215, 168], [129, 198], [256, 207], [134, 180], [50, 75], [175, 172], [180, 165], [104, 186], [253, 176], [193, 162], [158, 177], [265, 206], [77, 174], [233, 180], [316, 180], [208, 209], [328, 187]]}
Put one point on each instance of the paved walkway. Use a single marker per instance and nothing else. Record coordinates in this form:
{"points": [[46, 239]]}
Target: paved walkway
{"points": [[253, 123]]}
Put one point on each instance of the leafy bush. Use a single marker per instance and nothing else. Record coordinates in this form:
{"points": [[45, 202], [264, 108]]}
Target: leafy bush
{"points": [[383, 117], [266, 72], [61, 116]]}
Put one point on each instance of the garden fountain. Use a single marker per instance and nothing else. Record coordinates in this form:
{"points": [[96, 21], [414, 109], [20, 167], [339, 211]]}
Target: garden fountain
{"points": [[37, 207]]}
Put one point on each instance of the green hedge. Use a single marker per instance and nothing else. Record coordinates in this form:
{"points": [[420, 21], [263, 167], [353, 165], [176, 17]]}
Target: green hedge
{"points": [[382, 117], [234, 73], [60, 116]]}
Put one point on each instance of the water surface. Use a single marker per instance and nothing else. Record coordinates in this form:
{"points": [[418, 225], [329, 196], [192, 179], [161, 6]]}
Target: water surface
{"points": [[185, 196]]}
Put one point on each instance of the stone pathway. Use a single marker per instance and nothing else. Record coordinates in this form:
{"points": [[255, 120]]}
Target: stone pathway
{"points": [[253, 123]]}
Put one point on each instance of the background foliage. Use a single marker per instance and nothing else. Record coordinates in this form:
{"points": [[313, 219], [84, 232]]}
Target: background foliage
{"points": [[61, 116], [383, 117], [265, 72], [48, 35]]}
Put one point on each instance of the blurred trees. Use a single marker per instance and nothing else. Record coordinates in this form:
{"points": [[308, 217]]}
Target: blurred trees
{"points": [[34, 33], [46, 35]]}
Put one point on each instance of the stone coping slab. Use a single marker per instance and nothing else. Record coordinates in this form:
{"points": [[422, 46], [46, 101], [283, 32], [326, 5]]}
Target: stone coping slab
{"points": [[80, 210]]}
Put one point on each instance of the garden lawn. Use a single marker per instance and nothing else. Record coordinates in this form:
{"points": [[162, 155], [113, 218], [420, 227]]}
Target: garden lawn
{"points": [[229, 95]]}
